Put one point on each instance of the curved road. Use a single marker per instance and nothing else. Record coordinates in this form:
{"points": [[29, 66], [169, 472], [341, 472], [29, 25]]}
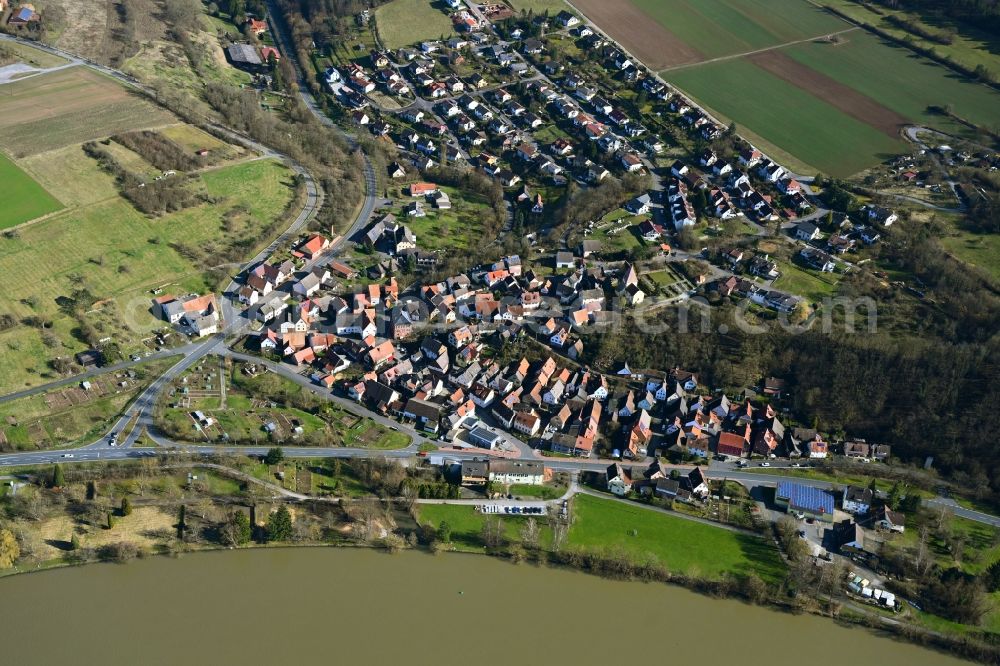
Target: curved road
{"points": [[142, 408]]}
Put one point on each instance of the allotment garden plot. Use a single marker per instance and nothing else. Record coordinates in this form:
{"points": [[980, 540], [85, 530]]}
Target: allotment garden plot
{"points": [[244, 403]]}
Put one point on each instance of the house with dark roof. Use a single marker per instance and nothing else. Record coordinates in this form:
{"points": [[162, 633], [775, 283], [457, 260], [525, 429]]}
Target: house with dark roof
{"points": [[892, 521], [857, 500], [798, 498]]}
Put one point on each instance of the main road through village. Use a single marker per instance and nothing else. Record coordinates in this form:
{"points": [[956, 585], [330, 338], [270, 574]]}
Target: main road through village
{"points": [[140, 412]]}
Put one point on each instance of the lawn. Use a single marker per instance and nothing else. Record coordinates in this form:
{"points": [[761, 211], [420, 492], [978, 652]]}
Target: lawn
{"points": [[541, 492], [787, 117], [24, 198], [467, 524], [404, 22], [67, 107], [118, 255], [980, 543], [456, 229], [812, 285], [681, 545], [665, 277], [553, 7]]}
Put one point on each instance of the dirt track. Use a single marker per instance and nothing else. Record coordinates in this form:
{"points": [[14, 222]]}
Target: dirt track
{"points": [[836, 94], [644, 38]]}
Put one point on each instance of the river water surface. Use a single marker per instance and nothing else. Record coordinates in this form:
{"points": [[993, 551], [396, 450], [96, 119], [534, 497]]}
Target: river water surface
{"points": [[347, 606]]}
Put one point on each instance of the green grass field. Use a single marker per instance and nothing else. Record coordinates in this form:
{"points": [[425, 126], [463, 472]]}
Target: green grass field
{"points": [[405, 22], [118, 255], [243, 420], [467, 524], [33, 56], [785, 116], [970, 46], [458, 228], [901, 81], [812, 285], [982, 250], [553, 7], [726, 27], [71, 175], [23, 198], [681, 545]]}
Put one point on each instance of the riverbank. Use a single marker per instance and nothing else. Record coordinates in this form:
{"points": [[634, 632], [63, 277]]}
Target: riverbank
{"points": [[306, 604], [176, 508]]}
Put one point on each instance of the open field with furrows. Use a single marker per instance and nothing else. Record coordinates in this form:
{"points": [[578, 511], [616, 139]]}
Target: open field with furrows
{"points": [[116, 254], [73, 414], [680, 545], [768, 66], [405, 22], [70, 106], [901, 81], [665, 33], [23, 198], [776, 113], [837, 108]]}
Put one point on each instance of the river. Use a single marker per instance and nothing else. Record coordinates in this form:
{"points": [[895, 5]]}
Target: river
{"points": [[342, 605]]}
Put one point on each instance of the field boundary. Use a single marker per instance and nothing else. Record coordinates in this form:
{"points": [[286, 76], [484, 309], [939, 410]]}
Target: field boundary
{"points": [[746, 54]]}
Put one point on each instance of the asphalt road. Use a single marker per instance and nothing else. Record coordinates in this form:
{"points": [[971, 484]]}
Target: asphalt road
{"points": [[142, 407]]}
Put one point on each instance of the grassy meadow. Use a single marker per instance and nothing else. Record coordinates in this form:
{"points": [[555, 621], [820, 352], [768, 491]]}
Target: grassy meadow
{"points": [[23, 198], [405, 22], [680, 545], [118, 255]]}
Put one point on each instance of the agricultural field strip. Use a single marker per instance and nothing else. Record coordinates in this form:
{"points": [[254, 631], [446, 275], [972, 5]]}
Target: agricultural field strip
{"points": [[876, 109], [735, 56]]}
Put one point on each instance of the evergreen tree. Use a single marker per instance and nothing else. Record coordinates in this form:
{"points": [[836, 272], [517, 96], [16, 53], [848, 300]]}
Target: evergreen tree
{"points": [[181, 526], [444, 532], [240, 529], [58, 477], [279, 525], [895, 494], [274, 456], [126, 506]]}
